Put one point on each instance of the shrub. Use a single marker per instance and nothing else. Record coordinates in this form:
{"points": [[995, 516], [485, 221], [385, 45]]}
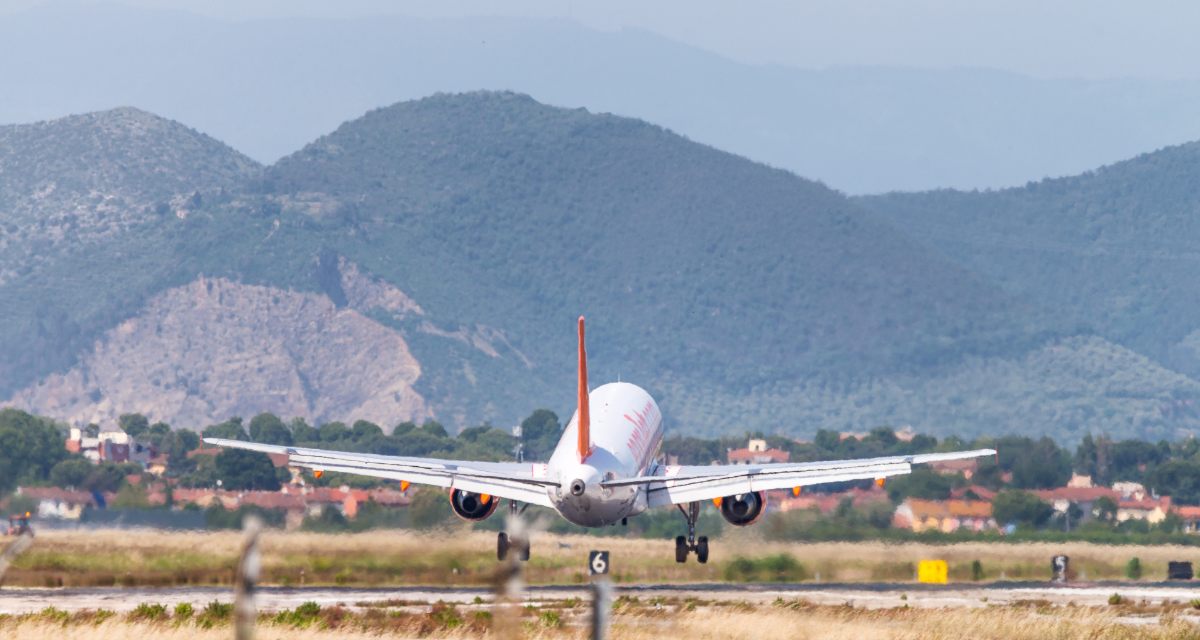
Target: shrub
{"points": [[550, 619], [1133, 570], [148, 612], [217, 610], [184, 610]]}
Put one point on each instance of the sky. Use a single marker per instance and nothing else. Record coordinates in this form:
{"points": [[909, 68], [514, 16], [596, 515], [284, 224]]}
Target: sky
{"points": [[1039, 38], [867, 96]]}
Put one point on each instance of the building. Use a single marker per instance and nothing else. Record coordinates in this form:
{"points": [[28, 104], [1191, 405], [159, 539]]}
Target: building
{"points": [[1085, 497], [111, 446], [757, 453], [944, 515], [1190, 517], [296, 501], [1084, 482], [1149, 509], [1130, 490], [53, 502], [827, 502], [951, 467]]}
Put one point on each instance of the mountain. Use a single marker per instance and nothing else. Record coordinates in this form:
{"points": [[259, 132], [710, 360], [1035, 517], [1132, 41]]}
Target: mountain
{"points": [[1115, 248], [690, 263], [74, 193], [429, 259], [269, 86]]}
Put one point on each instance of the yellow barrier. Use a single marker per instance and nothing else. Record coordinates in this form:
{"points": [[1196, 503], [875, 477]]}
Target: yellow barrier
{"points": [[932, 571]]}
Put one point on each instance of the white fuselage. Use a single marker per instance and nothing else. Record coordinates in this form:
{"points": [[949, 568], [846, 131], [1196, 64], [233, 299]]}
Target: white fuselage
{"points": [[626, 428]]}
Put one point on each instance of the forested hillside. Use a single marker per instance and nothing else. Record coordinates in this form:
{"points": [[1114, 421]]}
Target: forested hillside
{"points": [[691, 264], [459, 236], [1115, 248], [75, 197]]}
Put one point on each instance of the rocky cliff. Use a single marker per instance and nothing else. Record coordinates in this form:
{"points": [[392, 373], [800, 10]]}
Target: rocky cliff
{"points": [[212, 349]]}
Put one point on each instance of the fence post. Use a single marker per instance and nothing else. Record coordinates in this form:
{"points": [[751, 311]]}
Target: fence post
{"points": [[15, 549], [601, 607], [248, 570]]}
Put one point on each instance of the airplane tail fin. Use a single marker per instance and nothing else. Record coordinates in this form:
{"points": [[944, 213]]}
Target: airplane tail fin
{"points": [[585, 434]]}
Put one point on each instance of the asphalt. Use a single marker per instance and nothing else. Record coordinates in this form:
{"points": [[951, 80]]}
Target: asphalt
{"points": [[868, 595]]}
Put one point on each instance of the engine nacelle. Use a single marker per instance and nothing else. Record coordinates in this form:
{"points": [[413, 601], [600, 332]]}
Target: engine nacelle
{"points": [[472, 506], [744, 508]]}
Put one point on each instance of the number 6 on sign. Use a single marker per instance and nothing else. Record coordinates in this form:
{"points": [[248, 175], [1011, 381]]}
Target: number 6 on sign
{"points": [[598, 563]]}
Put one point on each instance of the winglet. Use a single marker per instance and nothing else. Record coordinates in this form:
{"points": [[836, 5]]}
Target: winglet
{"points": [[585, 422]]}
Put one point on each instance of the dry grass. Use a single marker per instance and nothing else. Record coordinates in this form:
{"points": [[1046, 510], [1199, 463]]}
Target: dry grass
{"points": [[461, 556], [643, 621]]}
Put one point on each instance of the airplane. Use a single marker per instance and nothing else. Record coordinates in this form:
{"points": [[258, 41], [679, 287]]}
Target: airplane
{"points": [[603, 471]]}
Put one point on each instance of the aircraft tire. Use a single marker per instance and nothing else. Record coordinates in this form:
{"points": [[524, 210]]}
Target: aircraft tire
{"points": [[502, 546], [702, 550], [681, 549], [525, 550]]}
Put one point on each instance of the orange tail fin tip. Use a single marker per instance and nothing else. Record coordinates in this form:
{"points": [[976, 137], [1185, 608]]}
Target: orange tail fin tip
{"points": [[585, 422]]}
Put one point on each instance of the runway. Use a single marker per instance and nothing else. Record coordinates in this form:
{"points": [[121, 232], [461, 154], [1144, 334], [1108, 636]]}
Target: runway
{"points": [[864, 595]]}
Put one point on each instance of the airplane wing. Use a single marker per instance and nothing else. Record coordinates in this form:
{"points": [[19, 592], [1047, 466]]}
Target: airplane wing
{"points": [[678, 484], [514, 480]]}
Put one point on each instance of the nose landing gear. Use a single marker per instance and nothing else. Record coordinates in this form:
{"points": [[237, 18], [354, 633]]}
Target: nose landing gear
{"points": [[684, 546], [518, 544]]}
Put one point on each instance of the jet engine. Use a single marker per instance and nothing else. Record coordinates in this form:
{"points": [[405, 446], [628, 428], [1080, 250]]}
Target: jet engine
{"points": [[472, 506], [744, 508]]}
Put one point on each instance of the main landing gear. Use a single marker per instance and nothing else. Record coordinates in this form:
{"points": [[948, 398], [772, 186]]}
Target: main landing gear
{"points": [[683, 545], [518, 543]]}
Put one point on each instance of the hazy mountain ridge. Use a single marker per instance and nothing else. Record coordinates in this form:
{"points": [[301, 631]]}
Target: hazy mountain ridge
{"points": [[760, 273], [1115, 248], [81, 178], [278, 84], [1064, 390], [459, 237]]}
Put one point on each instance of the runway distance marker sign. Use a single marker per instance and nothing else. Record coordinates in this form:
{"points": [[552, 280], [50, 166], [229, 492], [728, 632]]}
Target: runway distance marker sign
{"points": [[598, 563]]}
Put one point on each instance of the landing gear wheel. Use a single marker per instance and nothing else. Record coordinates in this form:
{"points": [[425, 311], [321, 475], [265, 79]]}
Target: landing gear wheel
{"points": [[525, 550], [502, 546], [681, 549], [702, 550]]}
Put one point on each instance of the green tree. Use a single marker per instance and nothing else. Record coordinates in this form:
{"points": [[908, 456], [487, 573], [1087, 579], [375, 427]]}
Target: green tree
{"points": [[1020, 507], [1105, 509], [540, 433], [157, 434], [419, 442], [435, 429], [302, 431], [246, 470], [30, 446], [131, 496], [267, 428], [333, 431], [179, 444], [133, 424], [1179, 479], [364, 430], [923, 483], [71, 473], [429, 508], [827, 439], [231, 429]]}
